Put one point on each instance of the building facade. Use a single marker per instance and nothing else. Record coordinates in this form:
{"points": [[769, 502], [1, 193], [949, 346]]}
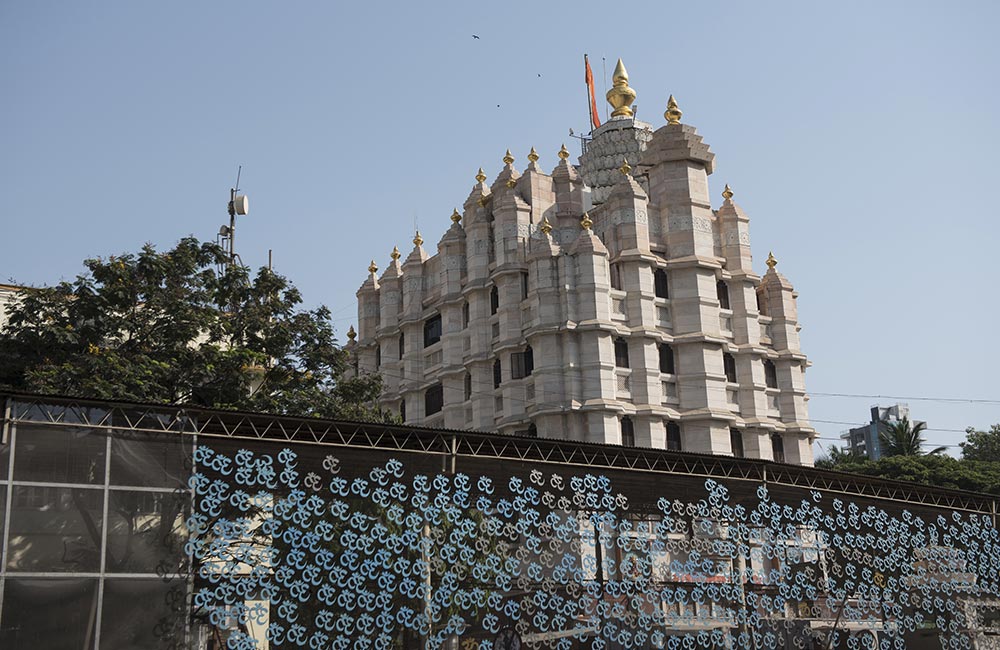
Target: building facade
{"points": [[606, 302], [864, 440]]}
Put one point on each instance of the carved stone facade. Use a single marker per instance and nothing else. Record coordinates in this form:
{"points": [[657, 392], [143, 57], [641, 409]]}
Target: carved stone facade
{"points": [[649, 327]]}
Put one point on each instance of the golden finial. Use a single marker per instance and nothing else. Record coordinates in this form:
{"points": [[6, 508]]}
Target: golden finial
{"points": [[511, 182], [417, 239], [727, 193], [673, 113], [772, 261], [373, 267], [586, 223], [621, 96], [533, 155], [546, 227], [395, 255], [563, 153], [455, 216], [508, 159], [625, 168], [351, 334], [480, 175]]}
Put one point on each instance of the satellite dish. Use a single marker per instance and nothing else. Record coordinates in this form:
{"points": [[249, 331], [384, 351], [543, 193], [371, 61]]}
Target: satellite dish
{"points": [[241, 204]]}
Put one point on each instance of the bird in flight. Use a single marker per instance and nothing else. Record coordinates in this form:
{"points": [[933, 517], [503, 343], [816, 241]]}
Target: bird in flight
{"points": [[475, 37]]}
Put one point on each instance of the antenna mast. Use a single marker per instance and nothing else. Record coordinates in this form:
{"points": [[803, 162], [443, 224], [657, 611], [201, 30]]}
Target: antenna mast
{"points": [[239, 204]]}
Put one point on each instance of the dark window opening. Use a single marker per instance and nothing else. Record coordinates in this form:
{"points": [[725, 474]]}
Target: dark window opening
{"points": [[722, 290], [402, 409], [532, 430], [666, 359], [402, 345], [674, 437], [433, 399], [736, 442], [621, 353], [660, 287], [616, 277], [378, 356], [465, 315], [468, 387], [770, 374], [778, 448], [761, 303], [522, 364], [729, 363], [496, 374], [432, 330], [524, 286], [494, 300], [628, 432]]}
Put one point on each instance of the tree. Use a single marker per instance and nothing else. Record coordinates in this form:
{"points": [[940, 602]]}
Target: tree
{"points": [[903, 438], [182, 327], [982, 445]]}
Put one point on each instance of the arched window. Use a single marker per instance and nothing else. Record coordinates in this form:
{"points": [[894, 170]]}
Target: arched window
{"points": [[524, 285], [496, 374], [615, 271], [621, 353], [666, 359], [468, 386], [402, 410], [778, 447], [433, 399], [494, 299], [532, 430], [628, 432], [722, 291], [674, 436], [729, 363], [378, 356], [736, 442], [770, 374], [660, 287], [465, 315], [402, 345]]}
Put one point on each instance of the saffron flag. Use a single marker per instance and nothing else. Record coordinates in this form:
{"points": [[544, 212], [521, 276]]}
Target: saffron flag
{"points": [[594, 120]]}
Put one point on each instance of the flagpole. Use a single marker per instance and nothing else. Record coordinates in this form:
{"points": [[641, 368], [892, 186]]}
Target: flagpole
{"points": [[590, 104]]}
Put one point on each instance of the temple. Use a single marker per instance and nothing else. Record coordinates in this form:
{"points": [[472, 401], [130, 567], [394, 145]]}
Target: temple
{"points": [[605, 301]]}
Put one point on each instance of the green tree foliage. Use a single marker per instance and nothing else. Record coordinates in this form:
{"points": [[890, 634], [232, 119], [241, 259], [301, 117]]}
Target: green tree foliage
{"points": [[182, 327], [982, 445], [903, 438], [939, 470]]}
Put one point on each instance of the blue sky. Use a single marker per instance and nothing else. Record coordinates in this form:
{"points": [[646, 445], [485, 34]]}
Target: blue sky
{"points": [[859, 137]]}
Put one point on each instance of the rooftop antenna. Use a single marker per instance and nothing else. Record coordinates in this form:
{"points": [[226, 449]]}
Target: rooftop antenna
{"points": [[239, 204]]}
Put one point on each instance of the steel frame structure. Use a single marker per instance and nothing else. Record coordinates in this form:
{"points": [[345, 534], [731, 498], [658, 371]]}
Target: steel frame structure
{"points": [[197, 421]]}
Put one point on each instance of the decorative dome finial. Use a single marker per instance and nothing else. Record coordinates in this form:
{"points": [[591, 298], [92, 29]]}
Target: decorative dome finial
{"points": [[563, 152], [373, 267], [727, 193], [455, 216], [395, 254], [673, 112], [546, 227], [626, 168], [351, 334], [772, 261], [417, 239], [533, 155], [621, 96], [508, 159], [480, 175], [586, 222]]}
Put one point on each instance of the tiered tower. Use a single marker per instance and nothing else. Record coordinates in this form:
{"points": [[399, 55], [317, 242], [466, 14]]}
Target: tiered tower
{"points": [[639, 321]]}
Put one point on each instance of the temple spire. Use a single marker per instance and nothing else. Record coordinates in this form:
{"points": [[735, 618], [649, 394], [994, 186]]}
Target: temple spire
{"points": [[621, 96], [673, 112]]}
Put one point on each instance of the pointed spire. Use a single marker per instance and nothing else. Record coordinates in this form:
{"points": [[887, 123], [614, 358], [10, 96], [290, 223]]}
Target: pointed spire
{"points": [[455, 216], [417, 239], [351, 334], [373, 267], [727, 193], [772, 261], [508, 159], [673, 112], [621, 96], [481, 176], [546, 227], [395, 254], [563, 152], [533, 155], [586, 221], [626, 168]]}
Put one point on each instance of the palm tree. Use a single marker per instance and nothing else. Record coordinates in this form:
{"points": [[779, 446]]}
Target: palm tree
{"points": [[901, 438]]}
